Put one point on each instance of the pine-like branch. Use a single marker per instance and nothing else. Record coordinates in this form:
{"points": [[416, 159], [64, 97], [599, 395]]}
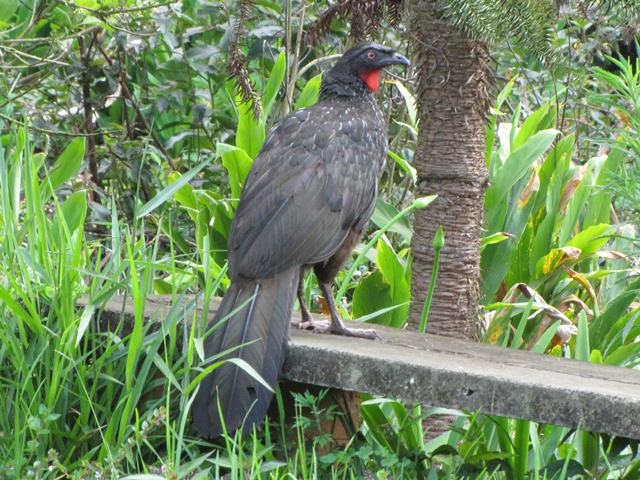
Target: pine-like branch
{"points": [[527, 22], [237, 63], [365, 17]]}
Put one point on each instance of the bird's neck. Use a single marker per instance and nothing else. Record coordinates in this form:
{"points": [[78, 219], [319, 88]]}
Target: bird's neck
{"points": [[343, 84]]}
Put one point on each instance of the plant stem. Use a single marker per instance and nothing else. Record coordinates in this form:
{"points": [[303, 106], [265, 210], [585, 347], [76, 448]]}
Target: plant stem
{"points": [[438, 244]]}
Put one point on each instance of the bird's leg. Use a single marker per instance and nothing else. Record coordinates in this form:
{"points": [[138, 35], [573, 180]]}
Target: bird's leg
{"points": [[337, 325], [306, 321]]}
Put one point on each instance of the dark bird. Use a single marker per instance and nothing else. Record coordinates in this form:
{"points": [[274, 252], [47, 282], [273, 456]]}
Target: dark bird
{"points": [[305, 203]]}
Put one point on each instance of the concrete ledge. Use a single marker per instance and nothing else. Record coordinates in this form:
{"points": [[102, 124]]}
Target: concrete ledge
{"points": [[448, 372]]}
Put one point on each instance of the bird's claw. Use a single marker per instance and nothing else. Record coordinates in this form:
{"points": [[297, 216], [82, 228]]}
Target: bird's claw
{"points": [[326, 326], [368, 333]]}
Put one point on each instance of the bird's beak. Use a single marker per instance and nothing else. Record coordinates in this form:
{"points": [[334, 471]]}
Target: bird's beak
{"points": [[401, 59], [397, 59]]}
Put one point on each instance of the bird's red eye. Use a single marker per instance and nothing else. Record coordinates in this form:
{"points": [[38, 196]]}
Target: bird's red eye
{"points": [[371, 55]]}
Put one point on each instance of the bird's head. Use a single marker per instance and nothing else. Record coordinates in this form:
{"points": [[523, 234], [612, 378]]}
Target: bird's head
{"points": [[364, 62]]}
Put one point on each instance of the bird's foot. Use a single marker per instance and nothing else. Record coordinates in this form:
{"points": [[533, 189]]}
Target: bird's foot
{"points": [[306, 321], [337, 328], [341, 329], [319, 326]]}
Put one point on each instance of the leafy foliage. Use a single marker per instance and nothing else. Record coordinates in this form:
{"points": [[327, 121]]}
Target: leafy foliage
{"points": [[123, 150]]}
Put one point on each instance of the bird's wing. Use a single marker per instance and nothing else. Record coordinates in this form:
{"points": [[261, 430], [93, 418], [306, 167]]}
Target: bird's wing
{"points": [[306, 189]]}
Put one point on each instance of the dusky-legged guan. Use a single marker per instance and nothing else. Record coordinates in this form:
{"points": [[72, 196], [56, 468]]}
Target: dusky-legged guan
{"points": [[305, 203]]}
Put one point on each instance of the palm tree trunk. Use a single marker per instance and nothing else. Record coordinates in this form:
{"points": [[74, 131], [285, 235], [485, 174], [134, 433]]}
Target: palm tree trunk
{"points": [[452, 96]]}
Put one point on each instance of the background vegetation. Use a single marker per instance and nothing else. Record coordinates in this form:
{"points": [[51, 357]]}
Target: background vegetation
{"points": [[124, 143]]}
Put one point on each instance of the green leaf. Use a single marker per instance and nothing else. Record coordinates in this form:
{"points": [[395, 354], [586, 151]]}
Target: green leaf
{"points": [[249, 370], [598, 208], [545, 339], [250, 133], [8, 8], [515, 167], [582, 338], [576, 206], [497, 259], [494, 239], [384, 212], [531, 125], [420, 202], [555, 259], [185, 195], [67, 165], [85, 318], [615, 309], [393, 270], [170, 190], [237, 163], [623, 354], [410, 102], [273, 83], [404, 165], [7, 300], [591, 239], [371, 295], [552, 175], [72, 211], [310, 93]]}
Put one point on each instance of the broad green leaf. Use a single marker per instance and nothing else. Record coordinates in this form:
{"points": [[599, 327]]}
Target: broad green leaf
{"points": [[250, 133], [514, 168], [598, 208], [8, 8], [496, 259], [623, 354], [85, 318], [552, 182], [402, 163], [93, 4], [582, 338], [556, 258], [378, 424], [616, 308], [393, 270], [493, 119], [273, 84], [185, 195], [68, 164], [576, 205], [237, 163], [384, 212], [310, 93], [545, 339], [372, 294], [591, 239], [410, 102], [495, 238], [531, 125], [170, 190], [72, 212]]}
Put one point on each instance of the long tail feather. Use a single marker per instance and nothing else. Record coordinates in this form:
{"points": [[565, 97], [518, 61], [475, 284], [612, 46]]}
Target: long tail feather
{"points": [[258, 334]]}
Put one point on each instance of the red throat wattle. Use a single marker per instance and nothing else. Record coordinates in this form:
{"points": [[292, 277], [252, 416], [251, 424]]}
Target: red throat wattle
{"points": [[372, 79]]}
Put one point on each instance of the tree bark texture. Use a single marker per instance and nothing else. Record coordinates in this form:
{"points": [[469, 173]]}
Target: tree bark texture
{"points": [[452, 99]]}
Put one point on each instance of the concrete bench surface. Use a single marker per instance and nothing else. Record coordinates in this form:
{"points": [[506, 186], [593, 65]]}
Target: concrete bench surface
{"points": [[446, 372]]}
